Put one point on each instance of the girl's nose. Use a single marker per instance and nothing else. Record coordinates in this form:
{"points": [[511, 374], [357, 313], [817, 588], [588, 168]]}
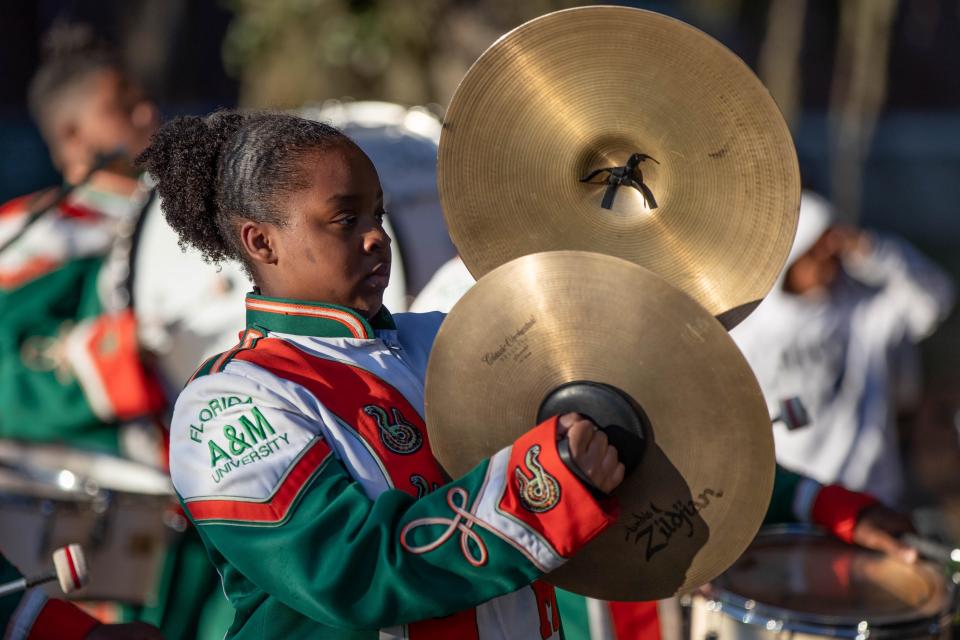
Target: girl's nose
{"points": [[376, 240]]}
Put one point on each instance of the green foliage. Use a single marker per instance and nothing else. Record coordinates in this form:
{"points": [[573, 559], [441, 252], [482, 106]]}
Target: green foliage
{"points": [[288, 52]]}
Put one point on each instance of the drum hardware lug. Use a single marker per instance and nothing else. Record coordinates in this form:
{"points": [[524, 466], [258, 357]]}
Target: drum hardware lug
{"points": [[48, 509], [175, 520], [749, 606], [863, 630], [102, 502], [91, 488]]}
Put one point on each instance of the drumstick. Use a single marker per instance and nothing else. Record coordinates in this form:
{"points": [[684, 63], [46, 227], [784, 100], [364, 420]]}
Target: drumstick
{"points": [[933, 550], [69, 569]]}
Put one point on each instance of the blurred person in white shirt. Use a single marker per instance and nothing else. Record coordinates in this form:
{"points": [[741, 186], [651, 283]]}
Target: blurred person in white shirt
{"points": [[833, 331]]}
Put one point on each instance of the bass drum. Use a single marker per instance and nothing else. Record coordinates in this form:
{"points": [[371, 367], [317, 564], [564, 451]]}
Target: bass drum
{"points": [[797, 583], [122, 513], [403, 145]]}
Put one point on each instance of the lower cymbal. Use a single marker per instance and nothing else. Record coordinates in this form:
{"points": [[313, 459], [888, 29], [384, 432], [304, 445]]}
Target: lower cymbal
{"points": [[704, 482]]}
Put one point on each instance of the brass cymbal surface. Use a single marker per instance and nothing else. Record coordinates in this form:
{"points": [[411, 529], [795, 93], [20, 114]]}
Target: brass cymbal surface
{"points": [[704, 481], [711, 205]]}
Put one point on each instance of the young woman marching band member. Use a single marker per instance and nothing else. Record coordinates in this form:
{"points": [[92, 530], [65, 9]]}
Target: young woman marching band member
{"points": [[302, 454]]}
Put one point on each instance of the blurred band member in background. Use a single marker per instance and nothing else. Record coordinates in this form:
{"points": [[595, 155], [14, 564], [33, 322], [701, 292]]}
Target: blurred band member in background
{"points": [[848, 305], [93, 298], [70, 364]]}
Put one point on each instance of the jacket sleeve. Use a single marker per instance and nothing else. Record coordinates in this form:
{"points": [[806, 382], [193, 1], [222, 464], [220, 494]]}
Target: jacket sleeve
{"points": [[797, 498], [915, 294], [66, 368], [276, 504], [792, 499]]}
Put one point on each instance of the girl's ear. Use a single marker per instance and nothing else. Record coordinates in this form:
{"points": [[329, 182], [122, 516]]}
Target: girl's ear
{"points": [[259, 242]]}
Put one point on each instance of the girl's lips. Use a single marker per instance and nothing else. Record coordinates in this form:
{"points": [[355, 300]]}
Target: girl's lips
{"points": [[379, 278]]}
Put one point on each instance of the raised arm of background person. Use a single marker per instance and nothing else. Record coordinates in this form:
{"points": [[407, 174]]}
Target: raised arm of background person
{"points": [[283, 504], [915, 294]]}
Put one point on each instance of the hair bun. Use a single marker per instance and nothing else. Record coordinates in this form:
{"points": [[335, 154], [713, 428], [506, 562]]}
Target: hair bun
{"points": [[183, 159]]}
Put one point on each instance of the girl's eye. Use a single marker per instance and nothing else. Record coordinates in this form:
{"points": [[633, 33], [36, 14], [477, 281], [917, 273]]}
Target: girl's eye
{"points": [[380, 216], [346, 220]]}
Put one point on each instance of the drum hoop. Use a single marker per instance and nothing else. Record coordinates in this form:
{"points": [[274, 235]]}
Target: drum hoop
{"points": [[42, 462], [771, 617], [780, 620]]}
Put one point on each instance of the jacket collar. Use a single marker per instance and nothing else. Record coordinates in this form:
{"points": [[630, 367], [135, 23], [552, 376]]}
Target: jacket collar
{"points": [[318, 319]]}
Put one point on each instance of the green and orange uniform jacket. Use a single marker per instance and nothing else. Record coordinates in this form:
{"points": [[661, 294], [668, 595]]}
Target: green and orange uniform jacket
{"points": [[303, 458], [29, 615], [70, 367]]}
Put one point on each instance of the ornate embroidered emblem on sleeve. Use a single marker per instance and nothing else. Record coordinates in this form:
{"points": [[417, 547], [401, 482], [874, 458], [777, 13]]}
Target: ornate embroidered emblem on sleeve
{"points": [[471, 544], [422, 486], [400, 436], [541, 492]]}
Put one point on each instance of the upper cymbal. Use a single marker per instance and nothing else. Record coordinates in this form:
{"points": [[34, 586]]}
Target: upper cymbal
{"points": [[580, 90], [548, 319]]}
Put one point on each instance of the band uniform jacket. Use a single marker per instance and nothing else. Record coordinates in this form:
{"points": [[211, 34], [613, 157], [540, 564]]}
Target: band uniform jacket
{"points": [[303, 457], [70, 365]]}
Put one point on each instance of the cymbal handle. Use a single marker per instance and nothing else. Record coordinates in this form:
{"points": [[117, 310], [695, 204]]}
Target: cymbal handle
{"points": [[612, 410]]}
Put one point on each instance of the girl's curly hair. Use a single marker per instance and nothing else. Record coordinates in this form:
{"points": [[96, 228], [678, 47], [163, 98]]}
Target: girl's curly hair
{"points": [[214, 171]]}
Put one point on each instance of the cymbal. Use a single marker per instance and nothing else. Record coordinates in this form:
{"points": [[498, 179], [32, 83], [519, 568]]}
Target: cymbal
{"points": [[704, 481], [713, 203]]}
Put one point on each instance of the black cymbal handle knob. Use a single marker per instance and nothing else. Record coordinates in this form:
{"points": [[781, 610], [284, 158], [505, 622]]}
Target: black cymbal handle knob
{"points": [[612, 410]]}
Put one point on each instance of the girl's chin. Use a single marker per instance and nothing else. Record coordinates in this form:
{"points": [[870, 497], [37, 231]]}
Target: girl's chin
{"points": [[367, 307]]}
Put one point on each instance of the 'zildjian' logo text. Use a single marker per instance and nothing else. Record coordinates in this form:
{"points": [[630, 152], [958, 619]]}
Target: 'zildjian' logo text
{"points": [[657, 526]]}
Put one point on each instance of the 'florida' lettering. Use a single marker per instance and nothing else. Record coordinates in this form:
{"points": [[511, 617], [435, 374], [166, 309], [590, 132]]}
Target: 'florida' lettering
{"points": [[214, 408]]}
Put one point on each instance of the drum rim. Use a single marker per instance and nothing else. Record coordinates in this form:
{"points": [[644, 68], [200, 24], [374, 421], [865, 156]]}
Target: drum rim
{"points": [[767, 619], [751, 612], [103, 472]]}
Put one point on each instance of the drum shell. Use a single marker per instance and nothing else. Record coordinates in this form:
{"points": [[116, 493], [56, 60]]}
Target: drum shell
{"points": [[124, 538]]}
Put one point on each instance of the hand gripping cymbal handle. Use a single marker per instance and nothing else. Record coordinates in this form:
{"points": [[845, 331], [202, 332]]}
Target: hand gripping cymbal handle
{"points": [[614, 413]]}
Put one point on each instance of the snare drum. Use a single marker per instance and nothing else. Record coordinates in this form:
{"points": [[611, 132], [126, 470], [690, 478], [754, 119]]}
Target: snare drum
{"points": [[795, 582], [122, 513]]}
